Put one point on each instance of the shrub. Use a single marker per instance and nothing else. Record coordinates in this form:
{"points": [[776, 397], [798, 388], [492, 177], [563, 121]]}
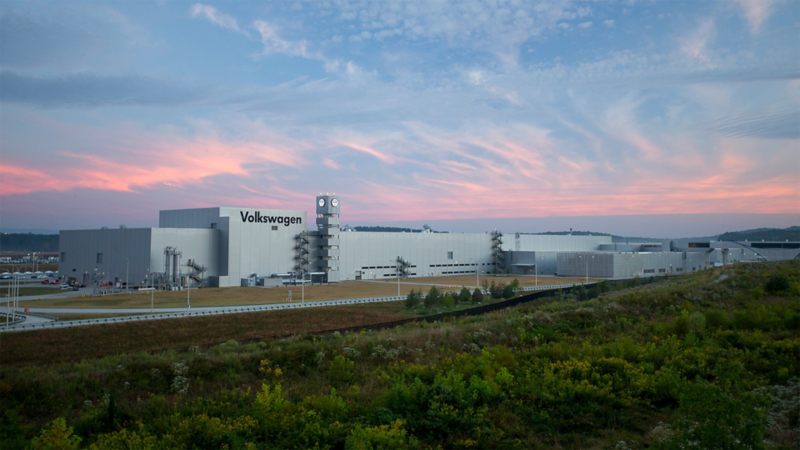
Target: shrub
{"points": [[341, 370], [448, 301], [508, 292], [433, 297], [758, 293], [383, 437], [56, 436], [716, 319], [477, 296], [496, 291], [412, 300], [709, 417], [464, 296], [777, 283], [696, 322]]}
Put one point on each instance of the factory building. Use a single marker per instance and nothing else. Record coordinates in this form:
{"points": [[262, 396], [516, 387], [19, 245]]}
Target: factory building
{"points": [[224, 247]]}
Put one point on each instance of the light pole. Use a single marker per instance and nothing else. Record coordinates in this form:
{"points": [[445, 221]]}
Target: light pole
{"points": [[587, 267], [127, 271], [303, 288], [397, 271], [188, 294]]}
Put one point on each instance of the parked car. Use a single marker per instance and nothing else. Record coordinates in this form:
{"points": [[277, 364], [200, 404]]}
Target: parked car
{"points": [[46, 281], [65, 286]]}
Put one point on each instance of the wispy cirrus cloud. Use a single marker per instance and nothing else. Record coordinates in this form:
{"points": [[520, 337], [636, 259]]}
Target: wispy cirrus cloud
{"points": [[214, 16], [757, 12]]}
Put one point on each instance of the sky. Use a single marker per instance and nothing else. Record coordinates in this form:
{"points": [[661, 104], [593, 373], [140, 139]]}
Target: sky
{"points": [[412, 111]]}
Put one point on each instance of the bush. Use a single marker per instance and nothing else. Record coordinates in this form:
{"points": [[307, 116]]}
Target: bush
{"points": [[433, 298], [56, 436], [758, 293], [716, 319], [383, 437], [709, 417], [508, 292], [777, 283], [697, 322], [448, 301], [496, 291], [477, 296], [341, 370], [412, 300], [464, 296]]}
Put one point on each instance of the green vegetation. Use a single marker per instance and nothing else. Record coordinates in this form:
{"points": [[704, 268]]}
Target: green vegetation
{"points": [[681, 363], [766, 234], [33, 290]]}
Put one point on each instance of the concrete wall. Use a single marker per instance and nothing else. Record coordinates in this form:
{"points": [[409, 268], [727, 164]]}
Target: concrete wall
{"points": [[373, 255], [143, 248], [625, 265], [544, 263], [258, 246]]}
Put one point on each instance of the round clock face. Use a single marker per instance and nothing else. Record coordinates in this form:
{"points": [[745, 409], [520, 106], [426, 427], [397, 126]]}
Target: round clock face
{"points": [[335, 202], [321, 202]]}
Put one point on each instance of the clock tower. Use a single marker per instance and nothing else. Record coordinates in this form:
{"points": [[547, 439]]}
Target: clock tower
{"points": [[328, 229]]}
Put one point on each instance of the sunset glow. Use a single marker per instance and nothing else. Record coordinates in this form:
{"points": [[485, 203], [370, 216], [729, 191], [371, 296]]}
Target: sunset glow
{"points": [[571, 109]]}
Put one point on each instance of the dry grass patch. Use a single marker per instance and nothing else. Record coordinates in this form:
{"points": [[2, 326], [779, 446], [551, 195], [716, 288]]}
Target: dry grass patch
{"points": [[41, 347]]}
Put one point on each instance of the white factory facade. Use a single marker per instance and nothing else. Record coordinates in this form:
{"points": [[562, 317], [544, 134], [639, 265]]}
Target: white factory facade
{"points": [[224, 247]]}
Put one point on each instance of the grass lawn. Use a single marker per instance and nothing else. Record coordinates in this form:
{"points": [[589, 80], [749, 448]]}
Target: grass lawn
{"points": [[35, 290]]}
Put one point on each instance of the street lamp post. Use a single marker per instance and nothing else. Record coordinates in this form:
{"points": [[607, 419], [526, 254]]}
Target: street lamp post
{"points": [[397, 270], [127, 271]]}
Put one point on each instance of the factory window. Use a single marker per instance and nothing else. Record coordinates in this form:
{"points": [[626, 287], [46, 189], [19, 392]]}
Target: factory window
{"points": [[63, 257], [274, 228], [449, 255], [99, 258], [662, 270], [213, 226]]}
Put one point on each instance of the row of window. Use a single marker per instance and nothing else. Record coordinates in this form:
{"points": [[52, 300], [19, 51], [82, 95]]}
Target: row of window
{"points": [[381, 267]]}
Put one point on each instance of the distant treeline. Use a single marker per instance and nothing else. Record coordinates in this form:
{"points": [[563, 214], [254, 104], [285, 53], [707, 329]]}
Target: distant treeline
{"points": [[614, 237], [28, 242], [766, 234], [386, 229]]}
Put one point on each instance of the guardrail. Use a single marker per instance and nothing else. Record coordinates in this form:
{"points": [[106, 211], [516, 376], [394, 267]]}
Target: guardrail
{"points": [[18, 319], [272, 307]]}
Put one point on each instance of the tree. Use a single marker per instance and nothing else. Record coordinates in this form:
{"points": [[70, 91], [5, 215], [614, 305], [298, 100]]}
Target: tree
{"points": [[515, 284], [464, 296], [497, 291], [477, 296], [448, 301], [412, 300], [432, 298], [508, 292]]}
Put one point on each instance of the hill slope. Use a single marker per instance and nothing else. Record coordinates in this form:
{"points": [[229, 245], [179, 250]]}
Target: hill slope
{"points": [[696, 359]]}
